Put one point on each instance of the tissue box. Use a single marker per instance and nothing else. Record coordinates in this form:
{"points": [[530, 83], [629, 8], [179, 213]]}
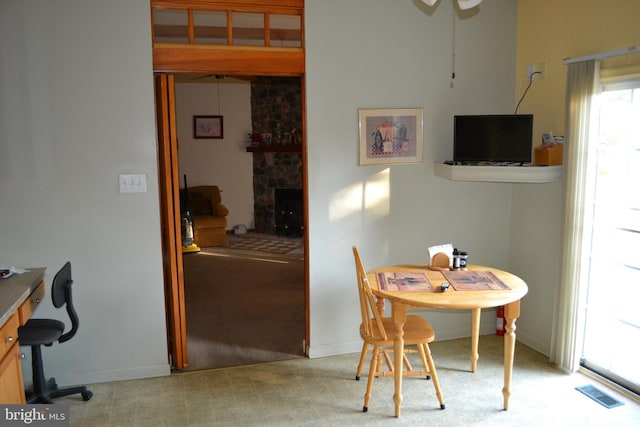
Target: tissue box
{"points": [[548, 156]]}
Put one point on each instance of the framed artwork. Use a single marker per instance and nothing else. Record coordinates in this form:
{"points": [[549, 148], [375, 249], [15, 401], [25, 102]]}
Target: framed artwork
{"points": [[207, 127], [390, 136]]}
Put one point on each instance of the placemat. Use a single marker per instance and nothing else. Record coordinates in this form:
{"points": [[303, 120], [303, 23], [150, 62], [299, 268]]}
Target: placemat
{"points": [[472, 280], [404, 281]]}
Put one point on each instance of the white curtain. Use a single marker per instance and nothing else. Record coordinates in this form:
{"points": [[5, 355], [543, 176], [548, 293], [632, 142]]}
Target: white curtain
{"points": [[582, 81]]}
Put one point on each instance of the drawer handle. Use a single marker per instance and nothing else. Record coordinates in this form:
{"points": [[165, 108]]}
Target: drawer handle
{"points": [[36, 300], [9, 340]]}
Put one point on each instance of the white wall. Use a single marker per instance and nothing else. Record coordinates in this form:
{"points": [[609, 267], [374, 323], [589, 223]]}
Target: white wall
{"points": [[382, 54], [76, 110], [222, 162], [536, 246]]}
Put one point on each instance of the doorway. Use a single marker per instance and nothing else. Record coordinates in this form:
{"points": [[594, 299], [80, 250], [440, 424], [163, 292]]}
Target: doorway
{"points": [[216, 38], [223, 288], [612, 326]]}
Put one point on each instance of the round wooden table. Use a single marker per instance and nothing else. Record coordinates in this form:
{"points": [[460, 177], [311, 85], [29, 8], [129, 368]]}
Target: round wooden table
{"points": [[474, 299]]}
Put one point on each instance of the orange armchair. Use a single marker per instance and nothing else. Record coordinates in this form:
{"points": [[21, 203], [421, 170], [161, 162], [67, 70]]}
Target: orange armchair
{"points": [[209, 216]]}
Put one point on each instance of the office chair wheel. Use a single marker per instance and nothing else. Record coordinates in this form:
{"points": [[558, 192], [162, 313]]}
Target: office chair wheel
{"points": [[365, 409], [86, 395], [442, 406], [52, 384]]}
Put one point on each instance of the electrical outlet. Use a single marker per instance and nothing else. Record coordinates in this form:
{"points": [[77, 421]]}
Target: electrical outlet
{"points": [[536, 71], [541, 69], [530, 70]]}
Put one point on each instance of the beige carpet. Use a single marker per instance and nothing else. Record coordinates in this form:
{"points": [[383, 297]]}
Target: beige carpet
{"points": [[243, 307], [322, 392]]}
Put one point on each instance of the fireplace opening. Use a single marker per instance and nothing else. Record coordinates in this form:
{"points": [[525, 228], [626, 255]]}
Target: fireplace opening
{"points": [[288, 212]]}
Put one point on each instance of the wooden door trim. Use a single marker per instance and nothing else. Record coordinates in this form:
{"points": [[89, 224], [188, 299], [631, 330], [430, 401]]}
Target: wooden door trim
{"points": [[229, 60], [170, 221]]}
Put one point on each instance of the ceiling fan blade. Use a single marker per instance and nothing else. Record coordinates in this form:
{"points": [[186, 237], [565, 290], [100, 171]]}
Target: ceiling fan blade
{"points": [[468, 4], [463, 4]]}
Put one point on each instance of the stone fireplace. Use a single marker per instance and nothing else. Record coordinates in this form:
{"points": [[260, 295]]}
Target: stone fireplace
{"points": [[276, 103]]}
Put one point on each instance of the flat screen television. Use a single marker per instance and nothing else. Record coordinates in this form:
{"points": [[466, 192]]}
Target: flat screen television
{"points": [[493, 138]]}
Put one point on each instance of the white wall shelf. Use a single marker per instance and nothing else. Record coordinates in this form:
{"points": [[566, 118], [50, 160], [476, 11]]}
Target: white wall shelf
{"points": [[529, 174]]}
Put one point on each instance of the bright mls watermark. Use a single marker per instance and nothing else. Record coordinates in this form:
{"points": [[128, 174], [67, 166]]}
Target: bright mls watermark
{"points": [[34, 415]]}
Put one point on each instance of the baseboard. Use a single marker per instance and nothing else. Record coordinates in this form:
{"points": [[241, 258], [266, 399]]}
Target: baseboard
{"points": [[113, 375], [533, 343], [232, 232], [452, 333], [335, 349], [444, 332]]}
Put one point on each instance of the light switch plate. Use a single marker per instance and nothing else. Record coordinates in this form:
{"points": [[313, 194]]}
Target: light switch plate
{"points": [[133, 183]]}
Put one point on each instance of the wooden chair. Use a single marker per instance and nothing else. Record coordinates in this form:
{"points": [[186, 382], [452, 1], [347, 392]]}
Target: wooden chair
{"points": [[375, 330]]}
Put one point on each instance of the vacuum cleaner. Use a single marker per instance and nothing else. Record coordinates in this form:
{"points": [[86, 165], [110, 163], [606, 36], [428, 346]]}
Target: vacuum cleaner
{"points": [[186, 220]]}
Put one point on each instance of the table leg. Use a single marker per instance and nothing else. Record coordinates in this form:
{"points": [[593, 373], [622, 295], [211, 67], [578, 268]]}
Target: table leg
{"points": [[511, 313], [475, 333], [399, 317]]}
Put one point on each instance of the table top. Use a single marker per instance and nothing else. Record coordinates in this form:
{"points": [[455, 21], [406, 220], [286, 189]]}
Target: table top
{"points": [[16, 289], [451, 299]]}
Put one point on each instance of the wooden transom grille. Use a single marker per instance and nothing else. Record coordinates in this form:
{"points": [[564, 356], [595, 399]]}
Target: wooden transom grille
{"points": [[271, 24]]}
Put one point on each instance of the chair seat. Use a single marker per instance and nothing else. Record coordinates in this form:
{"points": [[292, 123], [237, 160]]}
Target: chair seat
{"points": [[40, 332], [208, 221], [416, 330]]}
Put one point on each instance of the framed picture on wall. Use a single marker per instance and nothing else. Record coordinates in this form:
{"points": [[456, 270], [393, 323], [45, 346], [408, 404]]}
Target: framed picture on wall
{"points": [[207, 127], [390, 136]]}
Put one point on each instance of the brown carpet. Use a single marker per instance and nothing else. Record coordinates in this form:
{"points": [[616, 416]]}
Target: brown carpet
{"points": [[243, 307]]}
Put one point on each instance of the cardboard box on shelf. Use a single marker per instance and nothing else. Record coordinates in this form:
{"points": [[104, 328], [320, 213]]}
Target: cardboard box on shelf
{"points": [[548, 155]]}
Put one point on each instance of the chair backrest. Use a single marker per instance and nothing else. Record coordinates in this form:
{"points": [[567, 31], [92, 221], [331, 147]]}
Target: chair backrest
{"points": [[61, 295], [204, 198], [371, 316]]}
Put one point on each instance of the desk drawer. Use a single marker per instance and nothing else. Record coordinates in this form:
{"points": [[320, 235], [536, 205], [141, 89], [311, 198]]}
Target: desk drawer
{"points": [[9, 334], [29, 306]]}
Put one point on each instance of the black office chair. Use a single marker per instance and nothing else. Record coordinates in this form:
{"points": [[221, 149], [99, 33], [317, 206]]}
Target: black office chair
{"points": [[39, 332]]}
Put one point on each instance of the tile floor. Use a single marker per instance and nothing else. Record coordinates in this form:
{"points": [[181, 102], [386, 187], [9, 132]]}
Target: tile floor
{"points": [[323, 392]]}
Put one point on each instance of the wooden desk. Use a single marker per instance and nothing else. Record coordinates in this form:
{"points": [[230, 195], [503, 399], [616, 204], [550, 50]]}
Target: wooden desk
{"points": [[20, 295], [473, 300]]}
